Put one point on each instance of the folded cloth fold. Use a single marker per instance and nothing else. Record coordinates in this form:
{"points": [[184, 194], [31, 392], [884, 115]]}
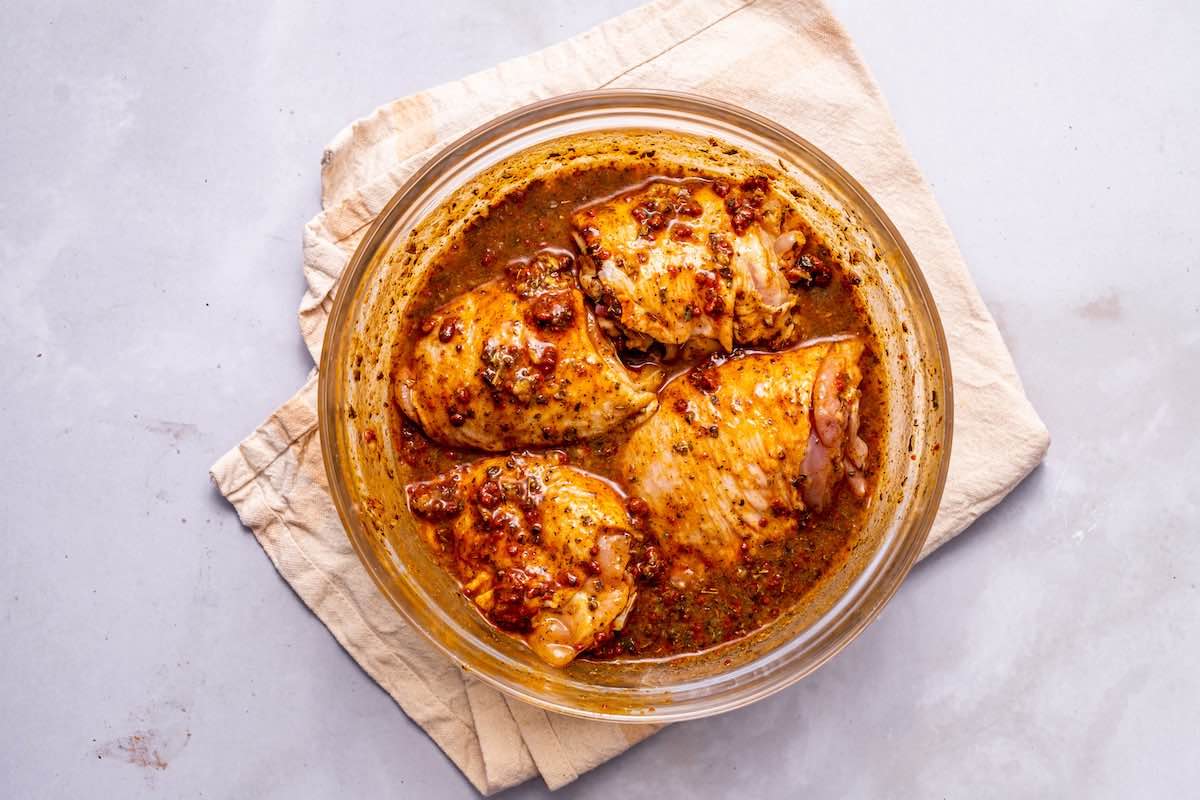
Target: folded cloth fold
{"points": [[786, 59]]}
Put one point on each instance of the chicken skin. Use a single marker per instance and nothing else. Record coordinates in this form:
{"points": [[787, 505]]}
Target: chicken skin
{"points": [[541, 548], [518, 362], [689, 261], [741, 448]]}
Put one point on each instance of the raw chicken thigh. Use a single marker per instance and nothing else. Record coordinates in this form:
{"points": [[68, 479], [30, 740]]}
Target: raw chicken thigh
{"points": [[518, 362], [541, 548], [689, 261], [741, 448]]}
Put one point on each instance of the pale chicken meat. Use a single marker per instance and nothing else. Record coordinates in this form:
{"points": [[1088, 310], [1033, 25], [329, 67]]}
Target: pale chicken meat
{"points": [[740, 449], [518, 362], [702, 262], [541, 548]]}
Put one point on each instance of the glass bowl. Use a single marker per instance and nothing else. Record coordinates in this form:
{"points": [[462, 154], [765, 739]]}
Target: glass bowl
{"points": [[357, 420]]}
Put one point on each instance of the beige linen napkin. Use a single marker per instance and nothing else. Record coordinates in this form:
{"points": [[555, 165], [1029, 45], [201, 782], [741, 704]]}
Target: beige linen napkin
{"points": [[786, 59]]}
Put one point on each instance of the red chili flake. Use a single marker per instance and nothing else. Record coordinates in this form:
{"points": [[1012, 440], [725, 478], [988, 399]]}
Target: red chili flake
{"points": [[808, 271], [369, 435], [448, 329], [681, 232], [462, 395], [552, 311], [741, 218], [720, 187], [435, 500], [636, 506], [711, 301], [642, 211], [681, 405], [427, 325], [489, 494], [545, 358], [688, 207], [757, 183], [704, 378], [456, 418]]}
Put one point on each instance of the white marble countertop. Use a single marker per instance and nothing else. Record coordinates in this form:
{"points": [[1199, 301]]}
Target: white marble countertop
{"points": [[156, 168]]}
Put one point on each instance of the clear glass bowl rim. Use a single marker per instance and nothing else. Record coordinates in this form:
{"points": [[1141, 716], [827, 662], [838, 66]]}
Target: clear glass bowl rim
{"points": [[767, 674]]}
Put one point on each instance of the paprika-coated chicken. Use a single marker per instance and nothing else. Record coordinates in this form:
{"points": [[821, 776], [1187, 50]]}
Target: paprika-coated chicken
{"points": [[518, 362], [691, 261], [540, 547], [738, 449]]}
